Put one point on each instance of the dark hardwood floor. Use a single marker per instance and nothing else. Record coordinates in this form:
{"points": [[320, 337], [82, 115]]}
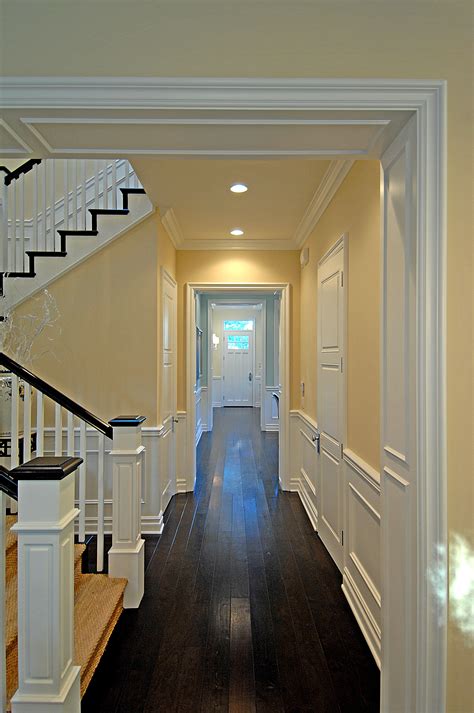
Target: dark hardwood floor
{"points": [[243, 609]]}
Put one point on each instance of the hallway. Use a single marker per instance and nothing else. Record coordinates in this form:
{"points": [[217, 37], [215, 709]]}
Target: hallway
{"points": [[243, 609]]}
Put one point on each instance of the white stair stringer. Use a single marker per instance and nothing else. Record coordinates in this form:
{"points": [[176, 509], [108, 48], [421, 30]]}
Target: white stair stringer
{"points": [[79, 248]]}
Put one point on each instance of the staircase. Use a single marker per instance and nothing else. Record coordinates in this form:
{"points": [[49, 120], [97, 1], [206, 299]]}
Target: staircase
{"points": [[56, 213], [50, 606], [98, 603]]}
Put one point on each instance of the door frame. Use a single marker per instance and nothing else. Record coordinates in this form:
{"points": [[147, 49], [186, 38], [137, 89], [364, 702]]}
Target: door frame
{"points": [[191, 289], [168, 423], [341, 243], [427, 100]]}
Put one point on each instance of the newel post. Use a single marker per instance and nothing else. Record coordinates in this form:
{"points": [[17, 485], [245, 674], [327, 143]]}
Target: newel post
{"points": [[47, 677], [127, 554]]}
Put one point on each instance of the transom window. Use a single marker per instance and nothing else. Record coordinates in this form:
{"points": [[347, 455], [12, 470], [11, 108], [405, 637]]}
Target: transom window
{"points": [[238, 325], [238, 342]]}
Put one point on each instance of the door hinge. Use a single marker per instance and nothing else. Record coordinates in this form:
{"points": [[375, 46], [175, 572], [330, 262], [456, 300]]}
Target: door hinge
{"points": [[342, 364], [342, 278], [342, 537]]}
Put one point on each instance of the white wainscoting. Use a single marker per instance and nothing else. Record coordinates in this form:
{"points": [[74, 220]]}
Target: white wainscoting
{"points": [[362, 568], [182, 485], [199, 414], [153, 489], [271, 420], [217, 391], [257, 391], [204, 409], [361, 523], [304, 463]]}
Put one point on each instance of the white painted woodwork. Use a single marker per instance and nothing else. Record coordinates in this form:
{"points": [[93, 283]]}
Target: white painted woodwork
{"points": [[100, 501], [82, 481], [270, 408], [40, 423], [15, 431], [58, 430], [305, 463], [26, 422], [238, 369], [168, 384], [331, 396], [399, 422], [47, 678], [126, 556], [362, 551]]}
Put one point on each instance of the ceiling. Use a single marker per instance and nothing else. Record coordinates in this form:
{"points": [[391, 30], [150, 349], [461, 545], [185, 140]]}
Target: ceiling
{"points": [[199, 210]]}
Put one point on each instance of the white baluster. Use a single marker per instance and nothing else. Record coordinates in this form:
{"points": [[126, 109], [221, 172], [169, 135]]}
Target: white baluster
{"points": [[13, 250], [27, 424], [52, 202], [114, 185], [21, 217], [105, 196], [74, 193], [83, 194], [66, 195], [82, 481], [127, 174], [14, 431], [39, 423], [4, 250], [100, 504], [96, 184], [3, 663], [70, 434], [44, 178], [58, 430], [34, 241]]}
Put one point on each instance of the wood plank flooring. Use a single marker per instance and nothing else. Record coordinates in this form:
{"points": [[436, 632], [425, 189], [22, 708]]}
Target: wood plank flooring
{"points": [[243, 610]]}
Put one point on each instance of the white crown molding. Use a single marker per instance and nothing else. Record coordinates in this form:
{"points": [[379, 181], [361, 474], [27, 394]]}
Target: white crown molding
{"points": [[208, 92], [232, 244], [21, 143], [325, 192], [171, 225]]}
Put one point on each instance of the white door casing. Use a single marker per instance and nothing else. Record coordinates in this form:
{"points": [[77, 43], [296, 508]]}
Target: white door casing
{"points": [[399, 421], [238, 368], [168, 385], [331, 396]]}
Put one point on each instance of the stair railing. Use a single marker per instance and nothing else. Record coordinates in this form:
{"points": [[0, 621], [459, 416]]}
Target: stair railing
{"points": [[120, 439], [45, 196]]}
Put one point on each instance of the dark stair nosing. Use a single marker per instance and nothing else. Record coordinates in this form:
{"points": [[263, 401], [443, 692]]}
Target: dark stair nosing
{"points": [[78, 232], [46, 253], [106, 211], [126, 192]]}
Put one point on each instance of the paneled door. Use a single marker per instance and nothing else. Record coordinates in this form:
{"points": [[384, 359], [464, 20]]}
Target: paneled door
{"points": [[238, 359], [168, 387], [331, 397]]}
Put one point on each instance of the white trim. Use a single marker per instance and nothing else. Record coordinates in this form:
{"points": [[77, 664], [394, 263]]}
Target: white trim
{"points": [[17, 138], [171, 225], [371, 475], [363, 615], [427, 99], [330, 183]]}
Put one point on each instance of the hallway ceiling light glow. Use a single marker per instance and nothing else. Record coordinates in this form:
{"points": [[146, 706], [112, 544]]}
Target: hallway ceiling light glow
{"points": [[236, 231], [238, 188]]}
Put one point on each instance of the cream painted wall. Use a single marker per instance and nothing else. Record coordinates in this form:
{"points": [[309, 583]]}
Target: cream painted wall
{"points": [[355, 209], [419, 39], [239, 266], [103, 349]]}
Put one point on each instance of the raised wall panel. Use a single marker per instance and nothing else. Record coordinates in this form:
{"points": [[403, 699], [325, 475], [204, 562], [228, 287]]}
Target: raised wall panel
{"points": [[304, 464]]}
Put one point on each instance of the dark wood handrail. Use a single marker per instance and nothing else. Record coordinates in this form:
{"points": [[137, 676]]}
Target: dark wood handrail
{"points": [[56, 395], [24, 168]]}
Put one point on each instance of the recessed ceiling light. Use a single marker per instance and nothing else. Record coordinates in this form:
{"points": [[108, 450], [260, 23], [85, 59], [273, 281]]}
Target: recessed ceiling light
{"points": [[238, 188], [237, 231]]}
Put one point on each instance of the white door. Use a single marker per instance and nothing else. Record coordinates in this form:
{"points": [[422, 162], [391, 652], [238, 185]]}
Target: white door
{"points": [[238, 369], [168, 387], [331, 398]]}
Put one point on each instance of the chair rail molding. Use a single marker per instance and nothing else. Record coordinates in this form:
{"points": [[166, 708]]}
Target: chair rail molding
{"points": [[427, 101]]}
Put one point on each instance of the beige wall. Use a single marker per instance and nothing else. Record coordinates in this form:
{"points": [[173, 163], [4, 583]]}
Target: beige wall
{"points": [[355, 209], [419, 39], [107, 333], [239, 266]]}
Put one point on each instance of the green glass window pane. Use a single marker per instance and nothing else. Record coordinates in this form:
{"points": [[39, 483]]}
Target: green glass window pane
{"points": [[238, 325], [237, 342]]}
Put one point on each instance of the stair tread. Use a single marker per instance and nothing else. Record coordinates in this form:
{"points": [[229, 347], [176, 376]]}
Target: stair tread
{"points": [[97, 606], [10, 540]]}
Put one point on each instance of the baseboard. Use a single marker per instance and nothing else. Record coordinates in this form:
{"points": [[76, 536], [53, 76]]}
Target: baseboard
{"points": [[367, 623], [181, 485], [151, 525], [297, 486]]}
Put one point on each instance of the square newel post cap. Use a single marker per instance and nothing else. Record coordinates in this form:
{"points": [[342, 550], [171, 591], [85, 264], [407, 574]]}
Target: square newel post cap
{"points": [[127, 421], [46, 468]]}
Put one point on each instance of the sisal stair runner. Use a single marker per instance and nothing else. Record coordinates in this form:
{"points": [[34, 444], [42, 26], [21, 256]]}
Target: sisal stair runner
{"points": [[98, 603]]}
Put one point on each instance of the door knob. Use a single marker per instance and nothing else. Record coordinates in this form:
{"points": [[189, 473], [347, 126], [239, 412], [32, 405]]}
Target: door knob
{"points": [[250, 376]]}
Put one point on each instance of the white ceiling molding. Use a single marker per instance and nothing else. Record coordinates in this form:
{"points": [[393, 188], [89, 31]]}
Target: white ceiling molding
{"points": [[173, 228], [233, 244], [22, 147], [329, 185]]}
